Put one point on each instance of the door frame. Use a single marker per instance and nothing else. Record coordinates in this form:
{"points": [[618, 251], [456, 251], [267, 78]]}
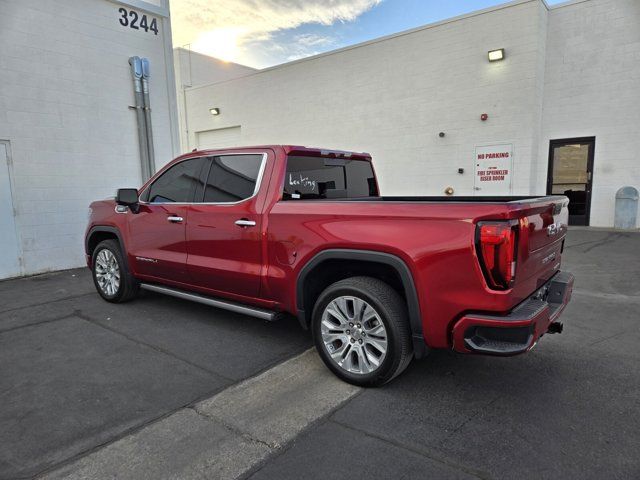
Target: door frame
{"points": [[569, 141]]}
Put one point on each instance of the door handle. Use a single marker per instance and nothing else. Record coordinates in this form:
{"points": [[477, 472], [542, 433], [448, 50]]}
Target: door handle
{"points": [[174, 219], [243, 222]]}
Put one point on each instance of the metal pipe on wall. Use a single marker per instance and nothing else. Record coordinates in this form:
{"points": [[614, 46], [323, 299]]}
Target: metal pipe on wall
{"points": [[136, 73], [146, 73]]}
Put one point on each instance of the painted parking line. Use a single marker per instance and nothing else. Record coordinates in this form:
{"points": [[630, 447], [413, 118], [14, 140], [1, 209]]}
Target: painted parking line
{"points": [[226, 435]]}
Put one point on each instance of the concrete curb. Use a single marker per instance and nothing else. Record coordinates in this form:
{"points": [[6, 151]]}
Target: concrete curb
{"points": [[227, 435]]}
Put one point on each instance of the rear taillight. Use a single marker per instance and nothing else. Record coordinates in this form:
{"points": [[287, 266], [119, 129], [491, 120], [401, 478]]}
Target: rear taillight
{"points": [[497, 243]]}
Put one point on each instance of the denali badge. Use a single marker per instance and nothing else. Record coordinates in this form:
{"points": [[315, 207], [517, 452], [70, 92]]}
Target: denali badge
{"points": [[548, 258], [145, 259], [554, 229]]}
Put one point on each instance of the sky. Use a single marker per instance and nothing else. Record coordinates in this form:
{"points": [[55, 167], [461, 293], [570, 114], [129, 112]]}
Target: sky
{"points": [[263, 33]]}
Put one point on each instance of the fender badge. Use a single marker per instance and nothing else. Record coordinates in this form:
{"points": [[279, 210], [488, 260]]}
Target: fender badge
{"points": [[145, 259]]}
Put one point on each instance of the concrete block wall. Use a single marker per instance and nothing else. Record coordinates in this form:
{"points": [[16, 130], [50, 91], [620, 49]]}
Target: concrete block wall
{"points": [[65, 92], [393, 96], [193, 69], [592, 89], [570, 71]]}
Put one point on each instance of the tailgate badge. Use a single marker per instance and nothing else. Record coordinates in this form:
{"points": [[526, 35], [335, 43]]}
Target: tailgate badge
{"points": [[554, 229]]}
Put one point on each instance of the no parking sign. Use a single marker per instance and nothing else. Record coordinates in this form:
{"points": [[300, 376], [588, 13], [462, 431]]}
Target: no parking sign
{"points": [[493, 167]]}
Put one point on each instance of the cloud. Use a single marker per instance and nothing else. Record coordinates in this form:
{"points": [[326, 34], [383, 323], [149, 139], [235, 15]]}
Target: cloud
{"points": [[312, 40], [228, 27]]}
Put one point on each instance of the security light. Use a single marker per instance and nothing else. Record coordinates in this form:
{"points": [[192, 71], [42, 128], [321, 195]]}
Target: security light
{"points": [[496, 55], [214, 111]]}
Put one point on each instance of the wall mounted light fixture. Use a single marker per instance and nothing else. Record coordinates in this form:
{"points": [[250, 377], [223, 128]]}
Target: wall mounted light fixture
{"points": [[214, 111], [496, 55]]}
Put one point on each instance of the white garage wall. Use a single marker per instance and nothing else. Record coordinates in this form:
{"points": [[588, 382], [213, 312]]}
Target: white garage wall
{"points": [[219, 138], [65, 92], [570, 71], [393, 96], [193, 69], [592, 88]]}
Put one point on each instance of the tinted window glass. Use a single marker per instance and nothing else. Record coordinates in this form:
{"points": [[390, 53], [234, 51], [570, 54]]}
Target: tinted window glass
{"points": [[315, 177], [232, 178], [176, 184]]}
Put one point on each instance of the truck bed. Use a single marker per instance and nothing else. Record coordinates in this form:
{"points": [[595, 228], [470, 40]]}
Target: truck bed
{"points": [[446, 199]]}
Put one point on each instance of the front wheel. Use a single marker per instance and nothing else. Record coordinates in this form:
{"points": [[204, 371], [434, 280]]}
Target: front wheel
{"points": [[361, 331], [110, 276]]}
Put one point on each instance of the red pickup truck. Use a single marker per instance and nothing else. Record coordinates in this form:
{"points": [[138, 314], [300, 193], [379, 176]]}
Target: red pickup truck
{"points": [[379, 280]]}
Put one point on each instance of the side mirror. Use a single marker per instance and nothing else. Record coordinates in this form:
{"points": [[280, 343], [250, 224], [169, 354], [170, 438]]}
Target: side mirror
{"points": [[128, 197]]}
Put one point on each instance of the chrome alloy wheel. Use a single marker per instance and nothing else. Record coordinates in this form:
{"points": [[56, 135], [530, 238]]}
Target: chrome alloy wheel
{"points": [[354, 335], [107, 272]]}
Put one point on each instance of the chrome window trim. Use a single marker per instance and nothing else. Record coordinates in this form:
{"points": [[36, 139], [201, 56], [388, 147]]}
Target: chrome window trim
{"points": [[263, 166]]}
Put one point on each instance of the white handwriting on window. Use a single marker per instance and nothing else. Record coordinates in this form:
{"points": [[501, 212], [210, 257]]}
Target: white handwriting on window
{"points": [[300, 181]]}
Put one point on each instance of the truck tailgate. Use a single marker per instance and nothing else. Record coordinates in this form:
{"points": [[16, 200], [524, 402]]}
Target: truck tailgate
{"points": [[543, 227]]}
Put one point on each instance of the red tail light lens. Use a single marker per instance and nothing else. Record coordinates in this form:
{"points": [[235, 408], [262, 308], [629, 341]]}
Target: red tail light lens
{"points": [[497, 243]]}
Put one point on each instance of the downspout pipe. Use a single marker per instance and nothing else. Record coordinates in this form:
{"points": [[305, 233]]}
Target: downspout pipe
{"points": [[136, 74], [146, 74]]}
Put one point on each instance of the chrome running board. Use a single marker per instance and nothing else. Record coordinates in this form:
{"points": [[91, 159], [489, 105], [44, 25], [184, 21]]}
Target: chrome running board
{"points": [[226, 305]]}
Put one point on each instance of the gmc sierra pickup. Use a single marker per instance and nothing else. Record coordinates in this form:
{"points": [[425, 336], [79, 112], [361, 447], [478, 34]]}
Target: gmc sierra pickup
{"points": [[379, 280]]}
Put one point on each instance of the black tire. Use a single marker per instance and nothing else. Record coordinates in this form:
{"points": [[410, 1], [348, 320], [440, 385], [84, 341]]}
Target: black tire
{"points": [[128, 287], [391, 309]]}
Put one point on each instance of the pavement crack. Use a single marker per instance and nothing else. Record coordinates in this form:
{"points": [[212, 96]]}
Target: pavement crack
{"points": [[35, 324], [79, 314], [49, 302], [611, 237], [474, 415], [235, 430], [418, 451], [596, 342], [119, 436]]}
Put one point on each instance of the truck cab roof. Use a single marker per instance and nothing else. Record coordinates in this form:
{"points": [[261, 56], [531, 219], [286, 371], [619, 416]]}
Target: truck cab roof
{"points": [[290, 150]]}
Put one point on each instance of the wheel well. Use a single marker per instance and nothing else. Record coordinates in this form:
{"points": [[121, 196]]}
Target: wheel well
{"points": [[96, 238], [330, 271]]}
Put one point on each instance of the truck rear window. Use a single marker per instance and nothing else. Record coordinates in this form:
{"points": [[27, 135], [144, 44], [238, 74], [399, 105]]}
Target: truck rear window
{"points": [[317, 178]]}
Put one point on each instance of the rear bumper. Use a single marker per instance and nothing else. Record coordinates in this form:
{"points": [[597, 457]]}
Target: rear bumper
{"points": [[518, 331]]}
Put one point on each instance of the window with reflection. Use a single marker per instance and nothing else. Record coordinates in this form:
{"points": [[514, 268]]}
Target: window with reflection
{"points": [[232, 178], [177, 184]]}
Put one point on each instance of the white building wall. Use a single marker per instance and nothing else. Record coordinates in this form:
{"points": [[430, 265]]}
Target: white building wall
{"points": [[572, 70], [391, 97], [65, 92], [193, 69], [592, 88]]}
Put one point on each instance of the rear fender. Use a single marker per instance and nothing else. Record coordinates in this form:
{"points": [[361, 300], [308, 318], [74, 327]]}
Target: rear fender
{"points": [[400, 267]]}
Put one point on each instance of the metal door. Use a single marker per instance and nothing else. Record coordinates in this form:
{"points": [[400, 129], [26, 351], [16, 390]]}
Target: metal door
{"points": [[570, 174], [9, 246]]}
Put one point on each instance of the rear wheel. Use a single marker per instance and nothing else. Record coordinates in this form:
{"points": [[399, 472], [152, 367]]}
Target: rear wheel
{"points": [[361, 331], [110, 275]]}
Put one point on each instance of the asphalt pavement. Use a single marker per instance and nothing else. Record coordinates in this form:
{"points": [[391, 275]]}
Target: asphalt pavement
{"points": [[163, 388]]}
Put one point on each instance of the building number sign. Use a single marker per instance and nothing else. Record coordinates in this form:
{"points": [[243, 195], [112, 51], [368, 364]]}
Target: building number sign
{"points": [[132, 19]]}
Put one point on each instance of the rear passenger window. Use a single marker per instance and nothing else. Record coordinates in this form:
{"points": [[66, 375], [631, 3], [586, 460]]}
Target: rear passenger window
{"points": [[232, 178], [317, 178], [176, 184]]}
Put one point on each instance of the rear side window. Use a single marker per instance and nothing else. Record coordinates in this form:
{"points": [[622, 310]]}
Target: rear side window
{"points": [[317, 178], [232, 178], [177, 184]]}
